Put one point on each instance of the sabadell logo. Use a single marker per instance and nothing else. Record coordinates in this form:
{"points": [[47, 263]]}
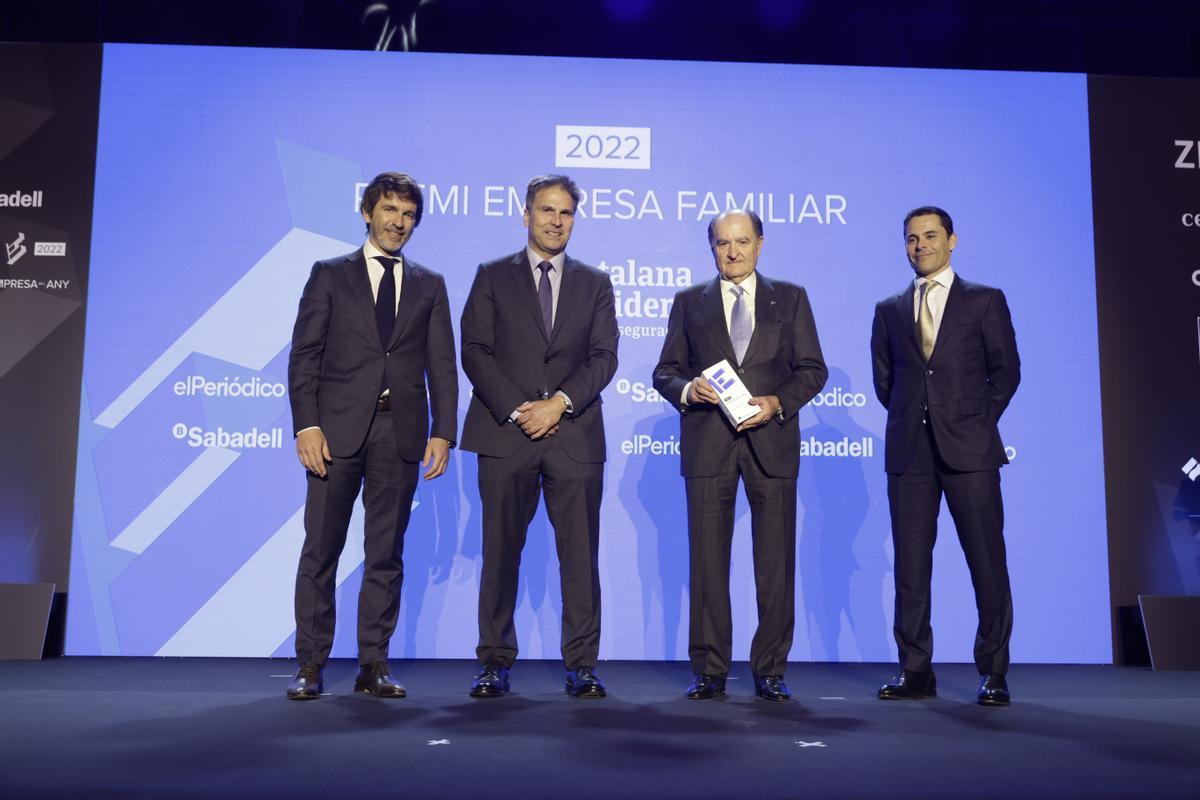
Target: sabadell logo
{"points": [[19, 199]]}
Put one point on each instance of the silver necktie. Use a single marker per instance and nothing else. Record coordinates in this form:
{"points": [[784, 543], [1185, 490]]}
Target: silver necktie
{"points": [[739, 323]]}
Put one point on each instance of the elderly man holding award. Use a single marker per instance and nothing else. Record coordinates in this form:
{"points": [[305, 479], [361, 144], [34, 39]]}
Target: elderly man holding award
{"points": [[740, 359]]}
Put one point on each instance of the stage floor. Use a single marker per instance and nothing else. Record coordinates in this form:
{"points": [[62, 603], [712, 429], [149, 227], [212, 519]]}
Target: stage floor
{"points": [[184, 728]]}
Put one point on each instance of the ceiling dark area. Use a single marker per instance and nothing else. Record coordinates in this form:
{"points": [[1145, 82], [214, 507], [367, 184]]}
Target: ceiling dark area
{"points": [[1159, 37]]}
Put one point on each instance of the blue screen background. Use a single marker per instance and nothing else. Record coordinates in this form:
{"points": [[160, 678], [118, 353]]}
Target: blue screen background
{"points": [[222, 174]]}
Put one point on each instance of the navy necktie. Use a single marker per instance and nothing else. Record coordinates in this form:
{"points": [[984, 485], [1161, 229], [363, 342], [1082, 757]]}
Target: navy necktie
{"points": [[385, 307], [546, 296]]}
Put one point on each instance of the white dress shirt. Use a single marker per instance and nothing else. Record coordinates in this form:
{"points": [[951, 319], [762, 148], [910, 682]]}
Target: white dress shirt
{"points": [[938, 291], [375, 270], [555, 273], [555, 277], [375, 275], [728, 298]]}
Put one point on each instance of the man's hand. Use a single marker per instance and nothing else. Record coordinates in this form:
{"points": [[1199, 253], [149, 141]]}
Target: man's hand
{"points": [[313, 451], [701, 391], [769, 406], [437, 456], [540, 418]]}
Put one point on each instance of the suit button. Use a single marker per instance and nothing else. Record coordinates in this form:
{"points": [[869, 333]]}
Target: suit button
{"points": [[741, 371], [545, 361], [928, 372]]}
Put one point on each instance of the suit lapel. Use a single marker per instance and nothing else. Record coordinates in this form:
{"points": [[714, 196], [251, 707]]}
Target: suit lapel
{"points": [[355, 271], [714, 318], [571, 293], [522, 284], [411, 286], [765, 311], [950, 312], [905, 307]]}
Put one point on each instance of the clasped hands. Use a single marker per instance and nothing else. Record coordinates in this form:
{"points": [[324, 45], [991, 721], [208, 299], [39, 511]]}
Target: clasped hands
{"points": [[539, 418], [313, 451], [701, 391]]}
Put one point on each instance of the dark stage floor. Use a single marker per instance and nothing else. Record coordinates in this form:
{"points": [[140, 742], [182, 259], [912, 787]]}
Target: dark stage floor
{"points": [[182, 728]]}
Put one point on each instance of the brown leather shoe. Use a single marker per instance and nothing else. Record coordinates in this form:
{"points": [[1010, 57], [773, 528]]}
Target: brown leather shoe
{"points": [[376, 679], [308, 683]]}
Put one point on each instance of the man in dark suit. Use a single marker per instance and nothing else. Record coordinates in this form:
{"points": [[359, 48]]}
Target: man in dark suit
{"points": [[372, 335], [944, 357], [539, 343], [765, 329]]}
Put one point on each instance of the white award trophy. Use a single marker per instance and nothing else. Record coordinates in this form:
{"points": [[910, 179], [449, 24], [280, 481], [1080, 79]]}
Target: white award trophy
{"points": [[733, 394]]}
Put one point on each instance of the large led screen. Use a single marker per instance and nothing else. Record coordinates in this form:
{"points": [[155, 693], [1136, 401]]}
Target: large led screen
{"points": [[224, 173]]}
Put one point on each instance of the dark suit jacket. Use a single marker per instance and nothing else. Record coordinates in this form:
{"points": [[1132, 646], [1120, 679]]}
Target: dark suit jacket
{"points": [[783, 359], [509, 357], [967, 382], [337, 364]]}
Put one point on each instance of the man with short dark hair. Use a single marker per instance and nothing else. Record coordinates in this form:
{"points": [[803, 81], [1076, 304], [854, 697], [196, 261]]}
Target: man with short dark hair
{"points": [[539, 343], [945, 363], [764, 328], [372, 359]]}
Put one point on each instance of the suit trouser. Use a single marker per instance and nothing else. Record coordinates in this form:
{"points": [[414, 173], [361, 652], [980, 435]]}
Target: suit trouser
{"points": [[509, 488], [710, 505], [978, 511], [388, 484]]}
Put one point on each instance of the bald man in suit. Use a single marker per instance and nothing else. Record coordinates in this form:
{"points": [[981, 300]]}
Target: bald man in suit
{"points": [[764, 327]]}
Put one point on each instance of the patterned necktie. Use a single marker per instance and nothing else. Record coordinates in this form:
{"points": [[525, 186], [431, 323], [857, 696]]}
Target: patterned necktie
{"points": [[739, 323], [385, 307], [925, 319], [546, 296]]}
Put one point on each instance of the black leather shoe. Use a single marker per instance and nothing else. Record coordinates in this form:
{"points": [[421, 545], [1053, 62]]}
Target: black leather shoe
{"points": [[308, 683], [491, 682], [376, 679], [706, 687], [909, 685], [582, 682], [772, 687], [993, 691]]}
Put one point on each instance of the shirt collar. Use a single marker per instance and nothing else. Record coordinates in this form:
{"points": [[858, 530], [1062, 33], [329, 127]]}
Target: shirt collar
{"points": [[535, 259], [750, 285], [943, 279], [370, 251]]}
